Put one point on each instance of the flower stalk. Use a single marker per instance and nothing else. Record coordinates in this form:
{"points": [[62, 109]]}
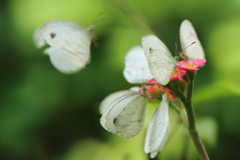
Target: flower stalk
{"points": [[187, 102], [192, 129]]}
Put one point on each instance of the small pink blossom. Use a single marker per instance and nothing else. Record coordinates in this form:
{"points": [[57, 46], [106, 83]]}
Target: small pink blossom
{"points": [[152, 81], [177, 73], [192, 64], [156, 90]]}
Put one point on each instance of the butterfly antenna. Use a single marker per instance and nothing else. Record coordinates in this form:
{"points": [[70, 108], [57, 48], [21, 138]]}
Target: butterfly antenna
{"points": [[188, 46], [177, 37], [176, 57], [182, 55], [98, 18], [175, 49], [92, 26]]}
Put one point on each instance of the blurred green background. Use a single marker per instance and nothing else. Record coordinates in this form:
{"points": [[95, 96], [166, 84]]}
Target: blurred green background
{"points": [[46, 115]]}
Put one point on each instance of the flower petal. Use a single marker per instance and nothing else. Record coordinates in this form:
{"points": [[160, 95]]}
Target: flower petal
{"points": [[152, 81], [178, 73], [199, 62], [192, 64], [158, 129], [136, 66]]}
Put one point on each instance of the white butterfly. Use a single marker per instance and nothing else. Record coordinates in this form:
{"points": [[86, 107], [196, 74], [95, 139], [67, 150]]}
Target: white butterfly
{"points": [[123, 113], [188, 36], [158, 129], [69, 43], [137, 71], [160, 61]]}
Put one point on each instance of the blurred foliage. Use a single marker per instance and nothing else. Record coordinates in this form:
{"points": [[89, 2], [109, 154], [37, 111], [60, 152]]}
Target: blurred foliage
{"points": [[45, 114]]}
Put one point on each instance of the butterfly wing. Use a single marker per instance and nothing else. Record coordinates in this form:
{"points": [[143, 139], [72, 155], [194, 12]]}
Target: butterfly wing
{"points": [[187, 36], [136, 66], [158, 129], [69, 49], [110, 99], [124, 115], [160, 61]]}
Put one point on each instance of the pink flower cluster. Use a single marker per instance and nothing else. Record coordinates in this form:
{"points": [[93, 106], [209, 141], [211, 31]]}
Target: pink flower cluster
{"points": [[155, 90], [183, 66]]}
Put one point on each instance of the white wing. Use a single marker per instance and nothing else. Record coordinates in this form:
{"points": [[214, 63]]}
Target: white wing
{"points": [[136, 66], [187, 37], [160, 61], [158, 129], [69, 49], [125, 114], [110, 98]]}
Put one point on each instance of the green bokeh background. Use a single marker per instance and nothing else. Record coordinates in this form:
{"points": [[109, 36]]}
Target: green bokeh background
{"points": [[47, 115]]}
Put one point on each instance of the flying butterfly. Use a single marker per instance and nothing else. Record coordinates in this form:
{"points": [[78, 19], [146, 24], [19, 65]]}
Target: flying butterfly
{"points": [[69, 43]]}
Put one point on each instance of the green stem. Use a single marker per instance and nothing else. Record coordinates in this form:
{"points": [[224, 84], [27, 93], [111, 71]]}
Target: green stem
{"points": [[191, 122], [198, 143], [189, 90], [191, 75]]}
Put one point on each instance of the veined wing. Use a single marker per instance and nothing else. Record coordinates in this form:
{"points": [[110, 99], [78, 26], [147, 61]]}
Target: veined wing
{"points": [[160, 61], [69, 49], [158, 129], [187, 36], [124, 115]]}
